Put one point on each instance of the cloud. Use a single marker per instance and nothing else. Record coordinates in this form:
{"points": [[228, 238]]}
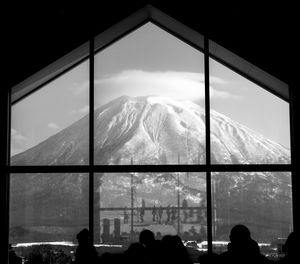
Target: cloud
{"points": [[218, 80], [18, 137], [172, 84], [13, 132], [53, 126], [84, 110], [19, 143], [217, 94]]}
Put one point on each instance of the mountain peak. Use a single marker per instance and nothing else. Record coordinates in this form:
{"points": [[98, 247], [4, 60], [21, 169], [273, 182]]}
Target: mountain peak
{"points": [[154, 130]]}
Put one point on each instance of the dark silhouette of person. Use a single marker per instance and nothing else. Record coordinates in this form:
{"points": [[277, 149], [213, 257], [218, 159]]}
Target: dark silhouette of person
{"points": [[191, 214], [242, 248], [185, 212], [147, 238], [136, 253], [13, 258], [211, 258], [85, 251], [160, 214], [174, 211], [142, 211], [158, 235], [126, 217], [154, 211], [111, 258], [174, 252], [151, 245], [168, 212], [290, 249]]}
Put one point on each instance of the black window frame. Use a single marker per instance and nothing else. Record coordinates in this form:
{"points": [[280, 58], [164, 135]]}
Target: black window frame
{"points": [[96, 44]]}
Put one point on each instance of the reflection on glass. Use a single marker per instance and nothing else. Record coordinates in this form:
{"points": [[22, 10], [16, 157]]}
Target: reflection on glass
{"points": [[259, 200], [47, 208], [248, 124], [149, 101], [50, 126], [166, 203]]}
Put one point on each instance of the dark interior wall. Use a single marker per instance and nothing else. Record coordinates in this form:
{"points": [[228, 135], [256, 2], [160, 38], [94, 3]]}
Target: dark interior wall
{"points": [[38, 34], [4, 187]]}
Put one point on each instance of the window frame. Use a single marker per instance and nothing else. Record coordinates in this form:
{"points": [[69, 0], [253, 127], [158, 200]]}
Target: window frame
{"points": [[192, 38]]}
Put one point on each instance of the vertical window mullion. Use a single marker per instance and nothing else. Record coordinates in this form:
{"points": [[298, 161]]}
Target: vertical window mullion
{"points": [[5, 106], [91, 137], [207, 144], [294, 180]]}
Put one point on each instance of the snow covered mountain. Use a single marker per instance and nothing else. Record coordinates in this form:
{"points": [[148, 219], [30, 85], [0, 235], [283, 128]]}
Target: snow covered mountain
{"points": [[151, 130], [154, 130]]}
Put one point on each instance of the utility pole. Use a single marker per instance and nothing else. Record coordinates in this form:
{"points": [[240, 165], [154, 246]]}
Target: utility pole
{"points": [[100, 183], [132, 204], [178, 200]]}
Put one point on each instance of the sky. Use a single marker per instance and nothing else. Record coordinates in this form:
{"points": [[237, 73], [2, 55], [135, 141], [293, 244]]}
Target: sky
{"points": [[149, 61]]}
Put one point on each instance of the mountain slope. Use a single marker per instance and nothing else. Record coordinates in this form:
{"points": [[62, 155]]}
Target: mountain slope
{"points": [[154, 130], [151, 130]]}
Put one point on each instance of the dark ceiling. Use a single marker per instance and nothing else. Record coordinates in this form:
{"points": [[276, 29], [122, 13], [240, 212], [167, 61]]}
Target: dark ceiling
{"points": [[36, 35]]}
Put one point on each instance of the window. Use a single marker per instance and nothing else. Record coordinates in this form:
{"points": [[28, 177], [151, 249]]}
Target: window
{"points": [[260, 200], [249, 125], [149, 144], [149, 100], [50, 126]]}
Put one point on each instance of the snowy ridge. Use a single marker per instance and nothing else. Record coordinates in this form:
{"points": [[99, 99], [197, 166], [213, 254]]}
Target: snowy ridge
{"points": [[155, 130]]}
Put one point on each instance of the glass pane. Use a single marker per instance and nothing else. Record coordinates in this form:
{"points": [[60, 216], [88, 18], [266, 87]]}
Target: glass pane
{"points": [[248, 124], [46, 213], [50, 126], [128, 203], [149, 100], [260, 200]]}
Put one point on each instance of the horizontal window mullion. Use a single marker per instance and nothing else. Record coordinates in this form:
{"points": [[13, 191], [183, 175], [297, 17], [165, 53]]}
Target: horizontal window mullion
{"points": [[250, 167], [149, 168]]}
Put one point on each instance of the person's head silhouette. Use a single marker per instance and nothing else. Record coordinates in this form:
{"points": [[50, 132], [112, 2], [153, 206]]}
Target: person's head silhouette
{"points": [[83, 236], [239, 234], [146, 237]]}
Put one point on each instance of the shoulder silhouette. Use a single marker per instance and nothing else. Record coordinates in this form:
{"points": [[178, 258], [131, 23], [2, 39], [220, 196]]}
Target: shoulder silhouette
{"points": [[85, 252], [242, 248], [290, 249]]}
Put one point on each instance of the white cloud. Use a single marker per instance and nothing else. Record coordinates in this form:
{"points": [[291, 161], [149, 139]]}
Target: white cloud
{"points": [[223, 94], [172, 84], [13, 132], [16, 136], [84, 109], [53, 126], [19, 143], [218, 80]]}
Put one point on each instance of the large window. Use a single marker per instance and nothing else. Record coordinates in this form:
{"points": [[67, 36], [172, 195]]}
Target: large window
{"points": [[149, 100], [148, 138]]}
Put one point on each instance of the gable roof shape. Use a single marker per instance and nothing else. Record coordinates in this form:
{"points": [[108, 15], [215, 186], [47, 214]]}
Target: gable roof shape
{"points": [[150, 14]]}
